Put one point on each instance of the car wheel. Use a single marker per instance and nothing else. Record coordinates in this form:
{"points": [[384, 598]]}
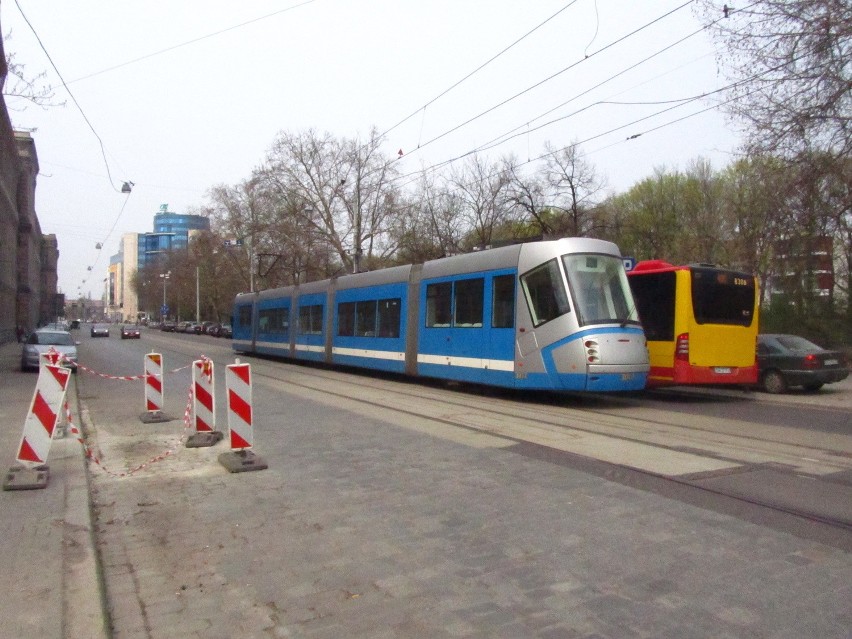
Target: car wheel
{"points": [[773, 382], [813, 387]]}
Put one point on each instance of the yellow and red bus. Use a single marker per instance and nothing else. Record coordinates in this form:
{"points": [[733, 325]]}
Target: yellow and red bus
{"points": [[700, 321]]}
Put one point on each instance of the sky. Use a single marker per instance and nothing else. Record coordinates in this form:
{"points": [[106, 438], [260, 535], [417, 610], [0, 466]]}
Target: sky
{"points": [[180, 97]]}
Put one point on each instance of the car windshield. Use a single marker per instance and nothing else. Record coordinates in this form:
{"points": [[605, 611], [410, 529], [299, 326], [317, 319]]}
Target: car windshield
{"points": [[53, 339], [796, 343]]}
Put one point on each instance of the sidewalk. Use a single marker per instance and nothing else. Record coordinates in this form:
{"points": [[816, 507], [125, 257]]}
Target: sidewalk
{"points": [[51, 585]]}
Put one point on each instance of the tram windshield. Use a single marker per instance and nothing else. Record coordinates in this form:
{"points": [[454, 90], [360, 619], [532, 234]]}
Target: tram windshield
{"points": [[600, 289]]}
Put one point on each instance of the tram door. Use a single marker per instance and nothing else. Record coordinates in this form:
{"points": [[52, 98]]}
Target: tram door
{"points": [[453, 340], [470, 343]]}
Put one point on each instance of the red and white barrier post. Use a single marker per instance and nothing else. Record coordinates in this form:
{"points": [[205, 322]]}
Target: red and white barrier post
{"points": [[203, 405], [153, 372], [240, 417], [32, 470]]}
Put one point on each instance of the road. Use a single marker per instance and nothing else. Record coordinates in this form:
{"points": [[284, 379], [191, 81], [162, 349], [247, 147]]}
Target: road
{"points": [[403, 509]]}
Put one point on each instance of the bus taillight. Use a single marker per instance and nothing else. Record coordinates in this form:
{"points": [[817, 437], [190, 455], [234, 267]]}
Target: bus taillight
{"points": [[682, 347]]}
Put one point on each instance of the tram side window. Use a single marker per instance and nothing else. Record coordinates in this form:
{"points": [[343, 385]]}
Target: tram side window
{"points": [[439, 299], [274, 320], [503, 302], [389, 317], [365, 319], [469, 300], [346, 319], [244, 316], [310, 320], [545, 293]]}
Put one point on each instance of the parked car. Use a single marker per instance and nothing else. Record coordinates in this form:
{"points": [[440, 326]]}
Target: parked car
{"points": [[183, 327], [57, 326], [784, 361], [100, 330], [43, 340], [224, 331], [168, 326], [130, 332], [207, 326]]}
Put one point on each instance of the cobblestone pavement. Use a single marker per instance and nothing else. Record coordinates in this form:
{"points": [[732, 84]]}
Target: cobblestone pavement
{"points": [[365, 528]]}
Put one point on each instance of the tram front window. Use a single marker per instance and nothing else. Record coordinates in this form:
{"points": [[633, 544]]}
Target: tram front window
{"points": [[600, 289]]}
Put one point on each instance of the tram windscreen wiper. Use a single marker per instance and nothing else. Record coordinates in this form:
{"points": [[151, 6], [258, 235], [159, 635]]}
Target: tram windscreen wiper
{"points": [[627, 316]]}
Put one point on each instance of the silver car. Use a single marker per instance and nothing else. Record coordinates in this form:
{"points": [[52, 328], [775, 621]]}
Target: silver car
{"points": [[41, 341]]}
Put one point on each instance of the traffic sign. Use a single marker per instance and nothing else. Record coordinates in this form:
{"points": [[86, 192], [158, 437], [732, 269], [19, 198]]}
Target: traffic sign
{"points": [[164, 309], [629, 263]]}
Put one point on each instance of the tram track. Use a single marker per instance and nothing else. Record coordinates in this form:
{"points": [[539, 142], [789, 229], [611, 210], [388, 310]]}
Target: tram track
{"points": [[733, 443], [535, 426], [499, 420]]}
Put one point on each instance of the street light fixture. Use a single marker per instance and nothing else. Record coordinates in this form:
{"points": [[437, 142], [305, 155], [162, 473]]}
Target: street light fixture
{"points": [[165, 277]]}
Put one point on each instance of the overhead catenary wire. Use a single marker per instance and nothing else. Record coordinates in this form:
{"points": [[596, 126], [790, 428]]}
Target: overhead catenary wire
{"points": [[416, 175], [507, 136], [477, 70], [192, 41], [71, 95], [552, 76]]}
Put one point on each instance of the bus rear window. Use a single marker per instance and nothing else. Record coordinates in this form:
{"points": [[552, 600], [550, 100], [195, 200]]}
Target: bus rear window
{"points": [[655, 299], [722, 297]]}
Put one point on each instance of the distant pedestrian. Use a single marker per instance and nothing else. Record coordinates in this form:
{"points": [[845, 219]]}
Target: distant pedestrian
{"points": [[20, 333]]}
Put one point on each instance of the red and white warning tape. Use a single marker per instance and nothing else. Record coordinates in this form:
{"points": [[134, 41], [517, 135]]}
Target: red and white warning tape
{"points": [[90, 454], [127, 378]]}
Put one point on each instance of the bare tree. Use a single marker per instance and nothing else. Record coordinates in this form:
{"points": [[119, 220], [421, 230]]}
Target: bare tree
{"points": [[528, 195], [24, 88], [238, 214], [483, 190], [790, 62], [433, 225], [341, 191], [573, 186]]}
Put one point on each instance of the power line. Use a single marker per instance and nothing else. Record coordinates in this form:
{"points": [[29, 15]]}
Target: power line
{"points": [[634, 136], [193, 41], [509, 135], [553, 76], [73, 98], [477, 69]]}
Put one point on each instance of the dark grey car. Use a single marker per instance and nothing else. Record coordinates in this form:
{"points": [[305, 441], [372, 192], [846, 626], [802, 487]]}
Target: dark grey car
{"points": [[790, 360]]}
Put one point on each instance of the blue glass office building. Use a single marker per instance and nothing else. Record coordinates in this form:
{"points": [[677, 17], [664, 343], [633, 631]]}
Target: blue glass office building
{"points": [[171, 233]]}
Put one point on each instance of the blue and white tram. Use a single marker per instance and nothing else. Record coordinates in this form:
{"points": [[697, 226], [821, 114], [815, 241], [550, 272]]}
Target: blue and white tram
{"points": [[555, 315]]}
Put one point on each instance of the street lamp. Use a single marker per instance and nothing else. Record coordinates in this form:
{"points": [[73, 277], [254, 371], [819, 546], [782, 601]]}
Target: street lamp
{"points": [[165, 277]]}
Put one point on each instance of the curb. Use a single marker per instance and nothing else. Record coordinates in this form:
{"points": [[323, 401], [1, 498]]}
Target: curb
{"points": [[85, 609]]}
